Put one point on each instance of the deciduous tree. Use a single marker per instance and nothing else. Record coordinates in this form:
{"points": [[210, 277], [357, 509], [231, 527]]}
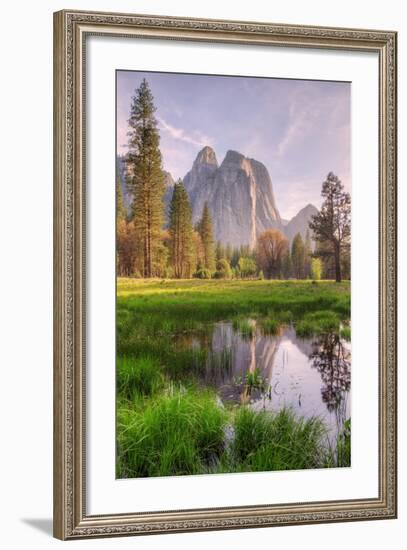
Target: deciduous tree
{"points": [[247, 267], [271, 248]]}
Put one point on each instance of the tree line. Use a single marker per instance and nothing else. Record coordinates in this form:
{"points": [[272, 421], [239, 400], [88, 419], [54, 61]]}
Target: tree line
{"points": [[148, 245]]}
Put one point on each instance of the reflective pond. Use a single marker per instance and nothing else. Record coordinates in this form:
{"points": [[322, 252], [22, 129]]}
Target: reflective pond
{"points": [[272, 371]]}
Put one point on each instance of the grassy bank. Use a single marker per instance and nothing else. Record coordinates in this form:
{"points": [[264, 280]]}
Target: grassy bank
{"points": [[183, 431], [196, 299], [148, 310]]}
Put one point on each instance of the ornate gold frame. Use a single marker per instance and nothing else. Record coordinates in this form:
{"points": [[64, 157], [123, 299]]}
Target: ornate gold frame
{"points": [[70, 31]]}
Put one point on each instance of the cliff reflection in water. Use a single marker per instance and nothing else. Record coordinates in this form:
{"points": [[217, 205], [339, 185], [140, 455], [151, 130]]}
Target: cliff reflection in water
{"points": [[312, 376]]}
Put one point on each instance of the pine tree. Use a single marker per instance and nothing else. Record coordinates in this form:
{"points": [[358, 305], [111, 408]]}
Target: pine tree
{"points": [[205, 229], [287, 265], [120, 208], [126, 249], [332, 225], [220, 251], [234, 257], [307, 254], [297, 256], [145, 176], [181, 232], [228, 252]]}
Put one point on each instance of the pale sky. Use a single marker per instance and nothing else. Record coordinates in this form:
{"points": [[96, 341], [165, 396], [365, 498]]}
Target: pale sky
{"points": [[299, 129]]}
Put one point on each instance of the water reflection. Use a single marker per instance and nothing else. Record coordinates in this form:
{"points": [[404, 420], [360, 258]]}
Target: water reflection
{"points": [[272, 371], [332, 359]]}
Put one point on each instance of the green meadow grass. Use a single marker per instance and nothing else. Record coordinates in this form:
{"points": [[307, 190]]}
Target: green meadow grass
{"points": [[166, 424], [197, 301]]}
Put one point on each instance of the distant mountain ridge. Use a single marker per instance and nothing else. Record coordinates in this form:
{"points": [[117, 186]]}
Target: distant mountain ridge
{"points": [[240, 197]]}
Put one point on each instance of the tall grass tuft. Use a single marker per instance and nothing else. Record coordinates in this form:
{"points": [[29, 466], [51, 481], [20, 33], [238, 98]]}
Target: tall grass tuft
{"points": [[181, 432], [318, 322], [244, 327], [269, 326], [138, 376], [343, 446], [267, 441]]}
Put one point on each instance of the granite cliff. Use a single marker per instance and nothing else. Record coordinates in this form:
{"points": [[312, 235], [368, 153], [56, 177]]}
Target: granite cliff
{"points": [[239, 194]]}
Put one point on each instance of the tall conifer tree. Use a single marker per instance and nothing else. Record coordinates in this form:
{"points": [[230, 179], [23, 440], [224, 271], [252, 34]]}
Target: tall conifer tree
{"points": [[307, 254], [331, 227], [120, 208], [298, 256], [145, 176], [205, 229], [181, 232]]}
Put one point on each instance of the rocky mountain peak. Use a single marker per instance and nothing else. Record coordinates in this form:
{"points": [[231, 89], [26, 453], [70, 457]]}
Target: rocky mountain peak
{"points": [[309, 208], [233, 157], [168, 180], [206, 156], [299, 223], [239, 195]]}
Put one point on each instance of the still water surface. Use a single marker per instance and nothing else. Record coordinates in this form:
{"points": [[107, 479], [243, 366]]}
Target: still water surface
{"points": [[310, 375]]}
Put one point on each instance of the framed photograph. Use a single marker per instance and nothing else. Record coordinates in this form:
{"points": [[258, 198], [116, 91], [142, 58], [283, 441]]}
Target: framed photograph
{"points": [[225, 274]]}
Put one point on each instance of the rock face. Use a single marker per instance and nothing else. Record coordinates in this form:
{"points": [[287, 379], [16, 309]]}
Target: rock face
{"points": [[299, 223], [122, 169], [169, 188], [239, 194]]}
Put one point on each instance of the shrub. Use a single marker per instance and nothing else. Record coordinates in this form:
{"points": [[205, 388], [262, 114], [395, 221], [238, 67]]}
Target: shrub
{"points": [[224, 270], [247, 266], [203, 274], [316, 269]]}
